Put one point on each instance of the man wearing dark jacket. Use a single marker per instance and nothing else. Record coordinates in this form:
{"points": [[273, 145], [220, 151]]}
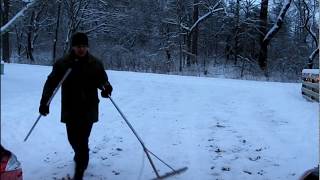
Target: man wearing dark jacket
{"points": [[79, 98]]}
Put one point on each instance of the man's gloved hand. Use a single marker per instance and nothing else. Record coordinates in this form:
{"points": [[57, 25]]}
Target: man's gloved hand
{"points": [[106, 92], [44, 109]]}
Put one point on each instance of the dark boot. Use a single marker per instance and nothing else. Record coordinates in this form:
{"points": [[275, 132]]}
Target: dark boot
{"points": [[78, 174]]}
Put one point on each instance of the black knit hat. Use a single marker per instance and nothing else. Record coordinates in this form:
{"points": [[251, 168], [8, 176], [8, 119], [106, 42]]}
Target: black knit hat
{"points": [[78, 39]]}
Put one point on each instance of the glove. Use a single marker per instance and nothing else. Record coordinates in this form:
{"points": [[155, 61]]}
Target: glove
{"points": [[106, 92], [44, 110]]}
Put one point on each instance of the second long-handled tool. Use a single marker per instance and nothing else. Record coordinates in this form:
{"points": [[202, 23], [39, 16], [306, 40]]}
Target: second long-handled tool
{"points": [[49, 101], [148, 152]]}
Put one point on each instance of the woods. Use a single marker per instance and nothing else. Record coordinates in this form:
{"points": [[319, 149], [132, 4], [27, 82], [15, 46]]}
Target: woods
{"points": [[267, 39]]}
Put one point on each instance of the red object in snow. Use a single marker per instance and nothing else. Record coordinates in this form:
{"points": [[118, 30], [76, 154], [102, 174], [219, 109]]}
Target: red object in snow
{"points": [[10, 167]]}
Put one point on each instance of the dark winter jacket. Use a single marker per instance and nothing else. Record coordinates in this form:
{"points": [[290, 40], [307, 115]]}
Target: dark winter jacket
{"points": [[79, 96]]}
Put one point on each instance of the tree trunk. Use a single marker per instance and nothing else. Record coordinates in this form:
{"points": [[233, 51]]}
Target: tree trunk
{"points": [[228, 48], [263, 55], [5, 41], [188, 55], [180, 50], [18, 39], [195, 33], [263, 30], [56, 34], [29, 38], [271, 33], [181, 37], [237, 31], [180, 57]]}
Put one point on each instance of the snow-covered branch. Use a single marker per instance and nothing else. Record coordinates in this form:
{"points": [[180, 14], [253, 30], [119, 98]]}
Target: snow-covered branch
{"points": [[95, 28], [211, 11], [276, 27], [103, 2], [202, 18], [314, 53], [184, 27], [19, 16]]}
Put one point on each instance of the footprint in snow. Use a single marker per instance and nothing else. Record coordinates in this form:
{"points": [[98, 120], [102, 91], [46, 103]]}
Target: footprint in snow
{"points": [[220, 126], [47, 160], [254, 159], [248, 172], [96, 149], [225, 168], [261, 172], [215, 174], [219, 150], [114, 154], [104, 157], [115, 172]]}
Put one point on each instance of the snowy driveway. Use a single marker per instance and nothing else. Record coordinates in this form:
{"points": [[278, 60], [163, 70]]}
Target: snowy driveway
{"points": [[219, 128]]}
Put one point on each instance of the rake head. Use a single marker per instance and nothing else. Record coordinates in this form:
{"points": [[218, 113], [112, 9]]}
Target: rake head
{"points": [[172, 173]]}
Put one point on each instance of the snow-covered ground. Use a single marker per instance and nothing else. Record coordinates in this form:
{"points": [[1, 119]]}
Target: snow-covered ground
{"points": [[219, 128]]}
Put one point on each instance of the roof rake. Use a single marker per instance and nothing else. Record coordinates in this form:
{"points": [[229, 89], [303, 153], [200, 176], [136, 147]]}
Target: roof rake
{"points": [[148, 152]]}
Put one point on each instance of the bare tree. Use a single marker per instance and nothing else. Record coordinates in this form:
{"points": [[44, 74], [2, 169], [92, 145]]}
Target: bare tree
{"points": [[237, 32], [74, 10], [308, 25], [5, 42], [19, 16], [266, 37], [39, 20], [195, 33], [263, 31], [192, 31], [86, 16], [56, 34], [169, 35], [19, 37]]}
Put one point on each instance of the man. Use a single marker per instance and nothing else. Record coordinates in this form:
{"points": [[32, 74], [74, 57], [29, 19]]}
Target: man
{"points": [[79, 98]]}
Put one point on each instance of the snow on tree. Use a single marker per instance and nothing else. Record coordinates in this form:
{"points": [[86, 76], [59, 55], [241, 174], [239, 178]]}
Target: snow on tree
{"points": [[19, 16], [271, 33]]}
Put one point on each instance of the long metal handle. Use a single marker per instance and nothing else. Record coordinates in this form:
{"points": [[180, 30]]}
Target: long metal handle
{"points": [[136, 134], [126, 120], [25, 139], [49, 101], [60, 83]]}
